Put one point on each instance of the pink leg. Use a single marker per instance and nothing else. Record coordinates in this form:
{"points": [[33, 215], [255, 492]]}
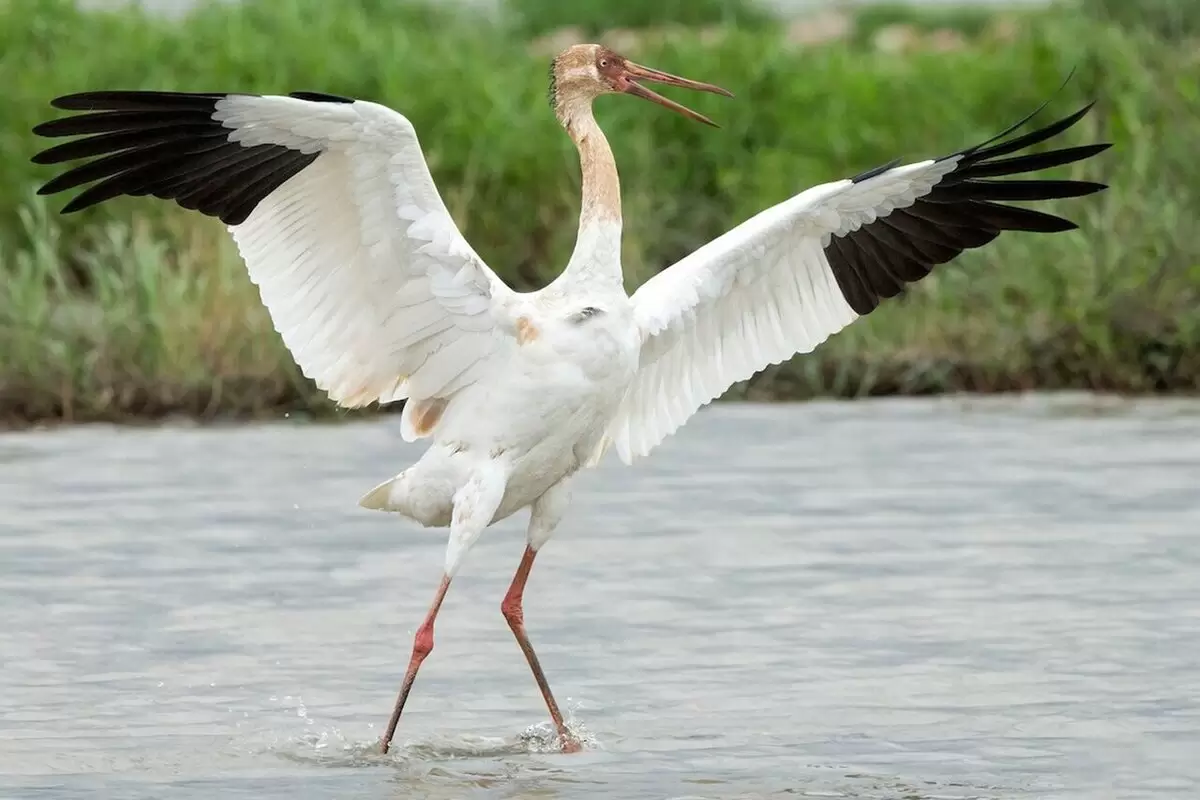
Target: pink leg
{"points": [[422, 647], [515, 614]]}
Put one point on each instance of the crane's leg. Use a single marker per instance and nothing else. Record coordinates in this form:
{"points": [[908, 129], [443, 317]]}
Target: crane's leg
{"points": [[546, 514], [422, 647], [475, 505]]}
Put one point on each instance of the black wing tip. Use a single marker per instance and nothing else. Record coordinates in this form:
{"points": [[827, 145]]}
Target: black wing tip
{"points": [[113, 127], [79, 101], [1074, 117], [113, 99], [96, 104], [320, 97], [998, 140], [875, 172], [50, 128], [1085, 151], [48, 157], [74, 206], [1081, 113], [1065, 226], [875, 262], [1089, 187], [1069, 121], [83, 101]]}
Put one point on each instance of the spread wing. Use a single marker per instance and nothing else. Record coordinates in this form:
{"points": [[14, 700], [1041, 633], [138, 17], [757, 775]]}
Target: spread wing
{"points": [[785, 280], [366, 277]]}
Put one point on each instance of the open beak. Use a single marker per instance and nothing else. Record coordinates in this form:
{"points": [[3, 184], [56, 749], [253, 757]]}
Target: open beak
{"points": [[636, 72]]}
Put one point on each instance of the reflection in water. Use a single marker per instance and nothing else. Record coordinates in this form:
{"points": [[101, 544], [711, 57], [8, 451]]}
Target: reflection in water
{"points": [[956, 598]]}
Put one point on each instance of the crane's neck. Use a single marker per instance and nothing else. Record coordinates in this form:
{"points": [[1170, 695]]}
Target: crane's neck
{"points": [[596, 259]]}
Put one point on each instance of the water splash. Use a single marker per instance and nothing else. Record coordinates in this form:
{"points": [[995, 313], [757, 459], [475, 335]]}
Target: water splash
{"points": [[331, 747], [542, 737], [326, 744]]}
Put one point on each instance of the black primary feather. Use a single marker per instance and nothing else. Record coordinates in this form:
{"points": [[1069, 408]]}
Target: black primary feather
{"points": [[964, 210], [167, 145]]}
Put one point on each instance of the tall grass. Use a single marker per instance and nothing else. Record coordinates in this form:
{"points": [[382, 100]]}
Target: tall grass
{"points": [[594, 17], [140, 309], [1170, 19]]}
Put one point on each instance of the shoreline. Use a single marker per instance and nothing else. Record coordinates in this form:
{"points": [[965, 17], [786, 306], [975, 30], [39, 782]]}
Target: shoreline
{"points": [[1072, 401], [323, 412]]}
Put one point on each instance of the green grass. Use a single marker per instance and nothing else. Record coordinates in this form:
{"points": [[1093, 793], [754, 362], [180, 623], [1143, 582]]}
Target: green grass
{"points": [[1170, 19], [138, 309], [594, 17], [967, 20]]}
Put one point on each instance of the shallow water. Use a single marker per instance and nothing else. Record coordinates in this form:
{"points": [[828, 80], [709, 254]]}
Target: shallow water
{"points": [[953, 598]]}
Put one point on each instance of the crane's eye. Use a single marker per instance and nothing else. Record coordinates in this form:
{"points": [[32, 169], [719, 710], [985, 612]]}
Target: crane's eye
{"points": [[603, 63]]}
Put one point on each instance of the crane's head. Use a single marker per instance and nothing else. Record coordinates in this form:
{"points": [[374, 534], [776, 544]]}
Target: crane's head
{"points": [[583, 72]]}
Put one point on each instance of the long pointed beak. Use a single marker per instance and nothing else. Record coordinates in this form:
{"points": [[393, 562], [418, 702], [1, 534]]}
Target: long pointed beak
{"points": [[636, 72]]}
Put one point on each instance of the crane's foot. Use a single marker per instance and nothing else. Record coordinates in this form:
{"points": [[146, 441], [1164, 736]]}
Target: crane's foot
{"points": [[569, 743]]}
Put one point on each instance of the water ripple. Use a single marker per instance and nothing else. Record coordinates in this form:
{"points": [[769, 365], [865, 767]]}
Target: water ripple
{"points": [[919, 599]]}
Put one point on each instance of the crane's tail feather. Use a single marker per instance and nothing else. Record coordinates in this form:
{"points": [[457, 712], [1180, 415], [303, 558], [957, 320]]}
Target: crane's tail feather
{"points": [[381, 497], [429, 502]]}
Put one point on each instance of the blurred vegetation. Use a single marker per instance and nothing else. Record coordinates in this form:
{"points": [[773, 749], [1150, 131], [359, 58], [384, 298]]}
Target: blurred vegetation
{"points": [[138, 309], [593, 17], [966, 19], [1170, 19]]}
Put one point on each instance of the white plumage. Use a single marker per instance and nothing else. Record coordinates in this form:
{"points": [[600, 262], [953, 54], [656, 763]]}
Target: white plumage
{"points": [[369, 282], [380, 298], [753, 297]]}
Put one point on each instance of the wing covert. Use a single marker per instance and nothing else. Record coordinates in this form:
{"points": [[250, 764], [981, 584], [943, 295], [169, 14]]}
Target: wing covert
{"points": [[365, 275], [787, 279]]}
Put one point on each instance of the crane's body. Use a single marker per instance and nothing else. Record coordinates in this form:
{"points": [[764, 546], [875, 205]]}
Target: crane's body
{"points": [[379, 297], [536, 419]]}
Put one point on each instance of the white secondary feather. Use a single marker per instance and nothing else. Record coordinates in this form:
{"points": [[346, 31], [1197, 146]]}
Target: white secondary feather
{"points": [[753, 297], [366, 276]]}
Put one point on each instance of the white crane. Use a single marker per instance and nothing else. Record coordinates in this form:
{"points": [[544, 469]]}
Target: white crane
{"points": [[380, 298]]}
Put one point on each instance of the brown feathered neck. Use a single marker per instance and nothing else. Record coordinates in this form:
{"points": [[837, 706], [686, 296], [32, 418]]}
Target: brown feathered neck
{"points": [[572, 105], [598, 246]]}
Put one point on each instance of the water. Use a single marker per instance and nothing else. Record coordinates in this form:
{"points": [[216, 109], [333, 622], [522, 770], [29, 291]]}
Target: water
{"points": [[899, 599]]}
